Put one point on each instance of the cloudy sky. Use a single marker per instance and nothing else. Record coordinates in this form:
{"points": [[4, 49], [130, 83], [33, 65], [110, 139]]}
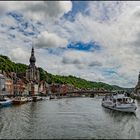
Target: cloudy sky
{"points": [[94, 40]]}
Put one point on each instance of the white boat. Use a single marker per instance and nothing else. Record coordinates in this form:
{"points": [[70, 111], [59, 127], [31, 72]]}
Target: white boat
{"points": [[29, 99], [53, 97], [119, 102], [19, 100], [47, 98], [36, 98], [4, 102]]}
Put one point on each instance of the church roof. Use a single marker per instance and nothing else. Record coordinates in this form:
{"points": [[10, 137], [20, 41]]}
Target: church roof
{"points": [[32, 58]]}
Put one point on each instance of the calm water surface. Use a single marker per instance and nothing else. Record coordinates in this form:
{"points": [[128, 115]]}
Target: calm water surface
{"points": [[67, 118]]}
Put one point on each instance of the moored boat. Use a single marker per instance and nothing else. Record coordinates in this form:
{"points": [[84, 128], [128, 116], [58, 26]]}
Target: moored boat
{"points": [[47, 98], [53, 97], [92, 96], [119, 102], [36, 98], [19, 100], [5, 102], [29, 99]]}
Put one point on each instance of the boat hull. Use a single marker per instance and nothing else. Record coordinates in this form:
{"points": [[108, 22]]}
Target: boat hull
{"points": [[16, 102], [130, 109], [52, 97], [6, 103], [35, 98]]}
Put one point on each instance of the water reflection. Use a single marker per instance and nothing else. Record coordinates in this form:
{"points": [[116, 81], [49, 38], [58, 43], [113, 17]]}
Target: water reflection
{"points": [[68, 118]]}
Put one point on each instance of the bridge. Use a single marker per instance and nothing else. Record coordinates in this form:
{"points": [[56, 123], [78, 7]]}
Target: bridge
{"points": [[89, 91], [85, 92], [74, 93]]}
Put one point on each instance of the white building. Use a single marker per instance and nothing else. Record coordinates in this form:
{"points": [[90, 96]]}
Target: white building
{"points": [[2, 83]]}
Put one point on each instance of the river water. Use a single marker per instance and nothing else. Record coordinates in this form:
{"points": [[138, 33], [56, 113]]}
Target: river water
{"points": [[68, 118]]}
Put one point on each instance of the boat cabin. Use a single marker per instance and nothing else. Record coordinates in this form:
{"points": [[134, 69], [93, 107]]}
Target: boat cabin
{"points": [[121, 99]]}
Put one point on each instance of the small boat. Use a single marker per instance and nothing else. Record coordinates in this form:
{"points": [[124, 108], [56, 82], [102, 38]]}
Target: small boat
{"points": [[29, 99], [47, 98], [119, 102], [53, 97], [36, 98], [92, 95], [83, 95], [5, 102], [58, 97], [19, 100]]}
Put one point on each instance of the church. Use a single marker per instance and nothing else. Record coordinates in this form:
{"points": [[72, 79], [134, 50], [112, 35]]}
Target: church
{"points": [[32, 75]]}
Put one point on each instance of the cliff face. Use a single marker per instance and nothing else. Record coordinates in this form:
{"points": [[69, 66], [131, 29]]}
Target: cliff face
{"points": [[137, 87]]}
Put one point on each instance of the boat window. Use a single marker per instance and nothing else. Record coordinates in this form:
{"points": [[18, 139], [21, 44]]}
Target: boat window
{"points": [[119, 100], [114, 101], [124, 100]]}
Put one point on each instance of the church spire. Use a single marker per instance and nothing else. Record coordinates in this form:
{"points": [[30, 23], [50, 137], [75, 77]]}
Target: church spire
{"points": [[33, 74], [32, 58]]}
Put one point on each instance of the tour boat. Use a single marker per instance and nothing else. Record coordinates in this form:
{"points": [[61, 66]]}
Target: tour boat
{"points": [[4, 102], [19, 100], [119, 102]]}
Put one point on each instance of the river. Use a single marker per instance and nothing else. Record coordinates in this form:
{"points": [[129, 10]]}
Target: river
{"points": [[68, 118]]}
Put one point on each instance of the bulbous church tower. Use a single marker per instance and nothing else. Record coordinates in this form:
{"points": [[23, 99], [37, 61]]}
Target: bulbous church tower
{"points": [[32, 73]]}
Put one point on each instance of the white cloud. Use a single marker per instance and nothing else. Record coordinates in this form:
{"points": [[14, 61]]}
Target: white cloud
{"points": [[118, 36], [81, 59], [19, 54], [50, 40], [38, 10]]}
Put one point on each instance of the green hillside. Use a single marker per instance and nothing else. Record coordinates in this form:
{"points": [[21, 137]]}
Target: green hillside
{"points": [[8, 66]]}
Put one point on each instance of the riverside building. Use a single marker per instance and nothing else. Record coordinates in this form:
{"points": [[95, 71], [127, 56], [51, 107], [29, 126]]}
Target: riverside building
{"points": [[32, 75]]}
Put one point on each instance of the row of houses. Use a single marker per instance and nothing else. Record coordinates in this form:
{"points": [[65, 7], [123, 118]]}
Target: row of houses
{"points": [[29, 82], [11, 84]]}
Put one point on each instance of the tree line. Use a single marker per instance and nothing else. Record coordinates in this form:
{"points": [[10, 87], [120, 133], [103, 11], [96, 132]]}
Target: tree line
{"points": [[8, 66]]}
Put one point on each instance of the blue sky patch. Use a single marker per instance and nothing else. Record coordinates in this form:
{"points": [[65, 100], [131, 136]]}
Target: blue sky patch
{"points": [[16, 16], [24, 26], [109, 72], [90, 46], [77, 6]]}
